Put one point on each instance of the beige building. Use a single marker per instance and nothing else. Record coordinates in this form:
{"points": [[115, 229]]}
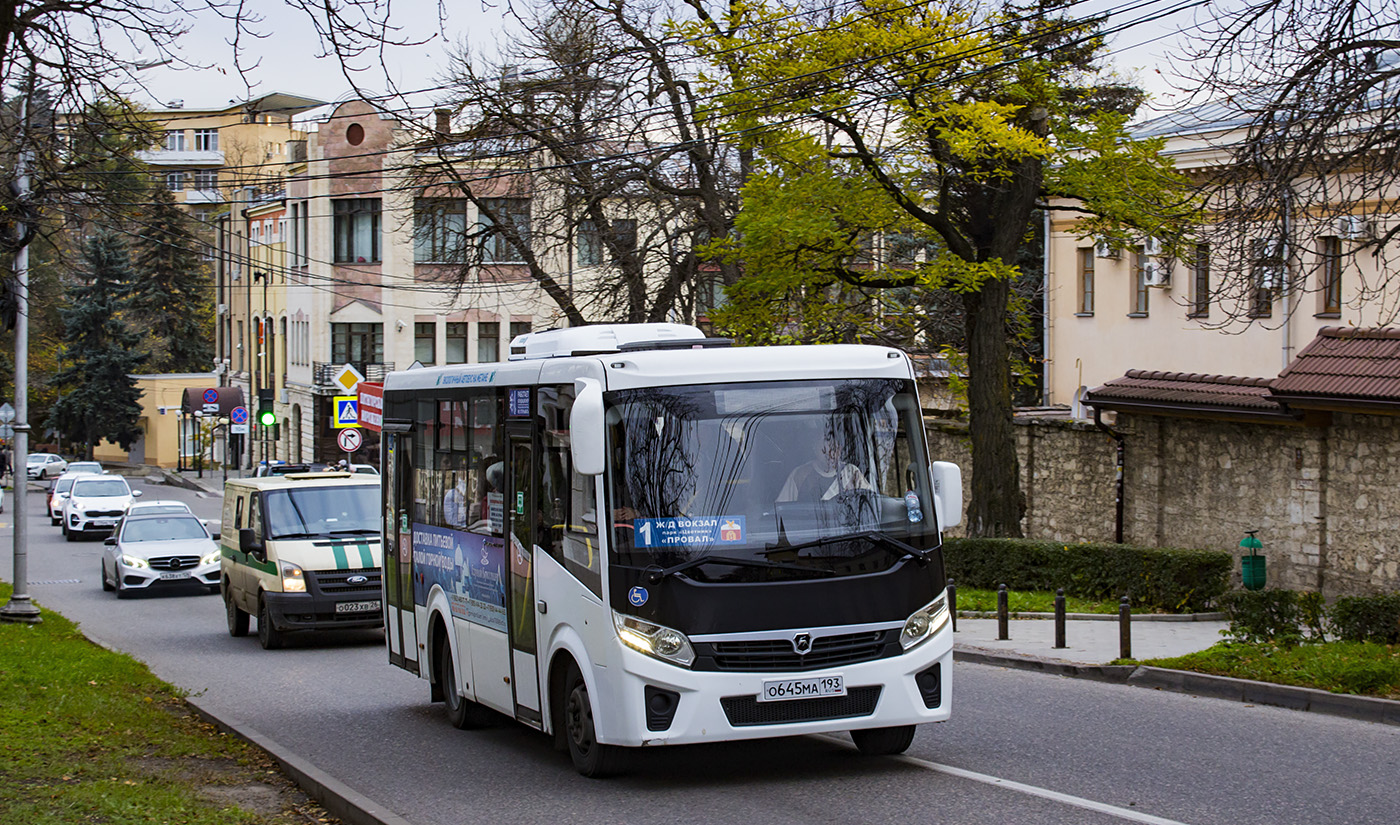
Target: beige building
{"points": [[1109, 312]]}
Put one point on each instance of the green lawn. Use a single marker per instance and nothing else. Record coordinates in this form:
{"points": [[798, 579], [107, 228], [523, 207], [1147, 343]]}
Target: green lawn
{"points": [[1362, 668], [1029, 601], [90, 736]]}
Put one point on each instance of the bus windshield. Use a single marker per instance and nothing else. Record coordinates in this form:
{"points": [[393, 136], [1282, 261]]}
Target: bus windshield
{"points": [[322, 511], [769, 481]]}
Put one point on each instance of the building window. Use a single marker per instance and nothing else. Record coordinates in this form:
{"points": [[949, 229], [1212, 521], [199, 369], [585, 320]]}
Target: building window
{"points": [[496, 245], [1266, 275], [425, 343], [240, 346], [206, 180], [1330, 288], [299, 234], [1200, 283], [456, 344], [593, 250], [518, 328], [1140, 289], [1086, 281], [356, 229], [175, 181], [902, 249], [488, 342], [206, 140], [357, 344], [439, 230], [175, 140]]}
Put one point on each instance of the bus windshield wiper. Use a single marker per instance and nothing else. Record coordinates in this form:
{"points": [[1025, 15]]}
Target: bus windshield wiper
{"points": [[875, 536], [656, 574]]}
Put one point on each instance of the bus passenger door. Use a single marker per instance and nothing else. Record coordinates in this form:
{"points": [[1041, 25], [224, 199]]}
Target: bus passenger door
{"points": [[399, 615], [523, 509]]}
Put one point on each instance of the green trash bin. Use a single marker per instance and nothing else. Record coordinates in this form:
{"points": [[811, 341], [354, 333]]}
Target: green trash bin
{"points": [[1252, 565]]}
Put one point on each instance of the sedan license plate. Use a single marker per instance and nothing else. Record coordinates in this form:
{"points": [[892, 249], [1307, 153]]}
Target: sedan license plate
{"points": [[104, 522], [181, 575], [782, 690], [356, 607]]}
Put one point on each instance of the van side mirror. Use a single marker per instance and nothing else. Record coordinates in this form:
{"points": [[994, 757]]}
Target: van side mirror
{"points": [[248, 542], [586, 428], [947, 493]]}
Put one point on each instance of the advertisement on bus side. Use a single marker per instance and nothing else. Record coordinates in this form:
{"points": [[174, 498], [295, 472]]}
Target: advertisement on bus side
{"points": [[470, 569]]}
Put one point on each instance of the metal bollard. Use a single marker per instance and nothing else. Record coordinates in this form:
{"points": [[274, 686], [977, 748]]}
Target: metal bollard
{"points": [[1003, 615], [1125, 629], [953, 603], [1060, 618]]}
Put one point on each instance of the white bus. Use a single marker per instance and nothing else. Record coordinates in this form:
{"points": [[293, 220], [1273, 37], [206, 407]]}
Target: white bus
{"points": [[633, 535]]}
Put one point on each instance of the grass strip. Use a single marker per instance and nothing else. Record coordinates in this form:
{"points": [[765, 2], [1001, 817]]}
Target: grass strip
{"points": [[1361, 668], [1029, 601], [92, 736]]}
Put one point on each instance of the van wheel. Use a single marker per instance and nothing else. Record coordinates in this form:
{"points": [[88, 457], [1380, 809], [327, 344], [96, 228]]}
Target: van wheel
{"points": [[591, 758], [883, 741], [463, 713], [268, 636], [237, 617]]}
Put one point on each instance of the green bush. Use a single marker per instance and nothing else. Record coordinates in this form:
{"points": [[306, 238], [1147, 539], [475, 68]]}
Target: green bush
{"points": [[1272, 615], [1366, 619], [1175, 581]]}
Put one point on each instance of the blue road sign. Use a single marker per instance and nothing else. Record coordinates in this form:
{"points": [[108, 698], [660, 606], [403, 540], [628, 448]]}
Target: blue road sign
{"points": [[238, 415]]}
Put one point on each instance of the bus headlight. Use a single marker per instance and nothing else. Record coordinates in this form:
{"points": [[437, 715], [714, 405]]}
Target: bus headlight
{"points": [[654, 640], [924, 623], [293, 580]]}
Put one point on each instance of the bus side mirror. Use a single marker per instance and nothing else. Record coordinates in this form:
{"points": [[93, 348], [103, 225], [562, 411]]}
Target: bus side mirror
{"points": [[947, 492], [586, 428]]}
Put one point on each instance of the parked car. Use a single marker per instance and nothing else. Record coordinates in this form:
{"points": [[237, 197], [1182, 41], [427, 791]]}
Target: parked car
{"points": [[157, 551], [85, 467], [58, 493], [160, 506], [364, 468], [45, 465], [278, 467], [95, 503]]}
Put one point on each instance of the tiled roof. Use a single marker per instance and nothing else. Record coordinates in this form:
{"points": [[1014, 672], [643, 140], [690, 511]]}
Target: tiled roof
{"points": [[1343, 365], [1186, 391]]}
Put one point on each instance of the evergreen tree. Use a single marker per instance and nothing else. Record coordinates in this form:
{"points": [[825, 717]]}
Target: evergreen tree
{"points": [[170, 295], [101, 398]]}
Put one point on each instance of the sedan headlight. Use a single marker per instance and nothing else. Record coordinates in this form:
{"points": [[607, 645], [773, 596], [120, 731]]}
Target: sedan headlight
{"points": [[133, 561], [212, 558], [293, 580], [924, 623], [654, 640]]}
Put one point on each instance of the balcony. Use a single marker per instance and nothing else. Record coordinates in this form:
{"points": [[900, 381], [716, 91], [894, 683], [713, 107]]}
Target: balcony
{"points": [[323, 374], [172, 157]]}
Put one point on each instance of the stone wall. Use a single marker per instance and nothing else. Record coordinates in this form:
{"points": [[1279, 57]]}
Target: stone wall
{"points": [[1324, 500]]}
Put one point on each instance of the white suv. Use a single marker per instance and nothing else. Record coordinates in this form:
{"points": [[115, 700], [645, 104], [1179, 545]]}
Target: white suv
{"points": [[95, 503]]}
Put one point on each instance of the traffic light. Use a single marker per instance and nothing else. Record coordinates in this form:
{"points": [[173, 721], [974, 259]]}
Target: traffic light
{"points": [[267, 416]]}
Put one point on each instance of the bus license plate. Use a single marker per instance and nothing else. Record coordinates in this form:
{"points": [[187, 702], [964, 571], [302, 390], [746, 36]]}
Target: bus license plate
{"points": [[184, 575], [781, 690], [356, 607]]}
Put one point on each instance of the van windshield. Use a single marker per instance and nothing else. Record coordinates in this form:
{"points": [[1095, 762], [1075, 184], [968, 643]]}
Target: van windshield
{"points": [[322, 511]]}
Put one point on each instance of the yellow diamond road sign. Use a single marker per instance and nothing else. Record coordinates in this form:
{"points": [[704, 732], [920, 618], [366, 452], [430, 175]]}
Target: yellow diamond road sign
{"points": [[348, 378]]}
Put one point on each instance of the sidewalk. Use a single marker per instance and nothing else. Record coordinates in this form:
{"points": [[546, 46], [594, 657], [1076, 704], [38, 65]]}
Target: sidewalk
{"points": [[1089, 642]]}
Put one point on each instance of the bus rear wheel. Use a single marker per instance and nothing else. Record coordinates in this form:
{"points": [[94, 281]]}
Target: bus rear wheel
{"points": [[463, 713], [591, 758], [883, 741]]}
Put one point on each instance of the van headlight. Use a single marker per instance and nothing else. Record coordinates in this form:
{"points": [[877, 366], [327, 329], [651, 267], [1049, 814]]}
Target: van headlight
{"points": [[654, 640], [293, 580], [924, 623]]}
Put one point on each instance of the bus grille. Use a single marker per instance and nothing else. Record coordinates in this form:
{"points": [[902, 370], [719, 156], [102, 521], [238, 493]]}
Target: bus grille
{"points": [[747, 710], [778, 655], [337, 581]]}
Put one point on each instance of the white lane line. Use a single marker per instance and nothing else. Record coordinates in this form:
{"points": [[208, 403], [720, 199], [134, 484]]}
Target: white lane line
{"points": [[1031, 790]]}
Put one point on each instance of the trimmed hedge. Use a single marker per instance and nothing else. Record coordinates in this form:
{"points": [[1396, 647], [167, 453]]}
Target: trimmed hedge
{"points": [[1283, 615], [1170, 580]]}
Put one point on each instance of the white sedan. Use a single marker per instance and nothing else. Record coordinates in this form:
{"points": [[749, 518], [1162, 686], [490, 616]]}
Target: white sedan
{"points": [[44, 465], [160, 551]]}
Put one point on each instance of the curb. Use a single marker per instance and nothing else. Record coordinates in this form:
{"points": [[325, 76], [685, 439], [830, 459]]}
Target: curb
{"points": [[335, 796], [1310, 700], [177, 480], [1101, 617]]}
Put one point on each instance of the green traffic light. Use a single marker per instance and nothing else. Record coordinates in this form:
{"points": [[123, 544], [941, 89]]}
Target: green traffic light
{"points": [[267, 418]]}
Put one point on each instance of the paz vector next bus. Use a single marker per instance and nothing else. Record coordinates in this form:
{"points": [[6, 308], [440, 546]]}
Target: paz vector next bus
{"points": [[633, 535]]}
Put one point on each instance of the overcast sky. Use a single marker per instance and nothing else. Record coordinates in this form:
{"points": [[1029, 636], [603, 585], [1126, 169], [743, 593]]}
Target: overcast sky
{"points": [[286, 61]]}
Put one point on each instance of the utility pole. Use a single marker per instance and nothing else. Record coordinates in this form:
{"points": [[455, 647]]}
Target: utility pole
{"points": [[20, 607]]}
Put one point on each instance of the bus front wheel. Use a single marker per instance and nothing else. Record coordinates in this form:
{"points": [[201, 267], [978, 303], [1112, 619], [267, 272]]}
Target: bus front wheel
{"points": [[591, 758], [883, 741]]}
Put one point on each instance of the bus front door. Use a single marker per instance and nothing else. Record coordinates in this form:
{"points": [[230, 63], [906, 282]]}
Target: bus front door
{"points": [[523, 509], [400, 626]]}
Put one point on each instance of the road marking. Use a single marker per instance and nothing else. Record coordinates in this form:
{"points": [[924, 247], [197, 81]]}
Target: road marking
{"points": [[1031, 790]]}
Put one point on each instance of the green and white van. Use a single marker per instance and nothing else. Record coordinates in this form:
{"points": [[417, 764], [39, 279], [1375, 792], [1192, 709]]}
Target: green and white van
{"points": [[301, 552]]}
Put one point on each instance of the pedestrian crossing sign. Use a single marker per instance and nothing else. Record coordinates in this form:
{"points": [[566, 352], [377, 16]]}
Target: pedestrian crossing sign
{"points": [[347, 412]]}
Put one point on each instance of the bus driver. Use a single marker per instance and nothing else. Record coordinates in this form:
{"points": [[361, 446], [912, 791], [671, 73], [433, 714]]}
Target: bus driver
{"points": [[825, 476]]}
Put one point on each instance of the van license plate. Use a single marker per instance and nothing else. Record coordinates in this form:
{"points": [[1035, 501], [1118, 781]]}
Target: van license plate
{"points": [[781, 690], [356, 607]]}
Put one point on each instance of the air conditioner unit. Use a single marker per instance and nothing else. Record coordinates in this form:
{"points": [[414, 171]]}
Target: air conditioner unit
{"points": [[1352, 228], [1156, 273], [222, 309], [1103, 249], [1151, 246], [284, 396]]}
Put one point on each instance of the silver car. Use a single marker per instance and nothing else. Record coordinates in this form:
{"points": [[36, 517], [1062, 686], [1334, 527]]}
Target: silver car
{"points": [[44, 465], [160, 551]]}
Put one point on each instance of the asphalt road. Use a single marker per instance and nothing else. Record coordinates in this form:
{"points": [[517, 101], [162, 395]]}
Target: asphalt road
{"points": [[1022, 747]]}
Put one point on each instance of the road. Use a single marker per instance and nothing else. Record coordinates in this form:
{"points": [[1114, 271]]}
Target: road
{"points": [[1022, 747]]}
